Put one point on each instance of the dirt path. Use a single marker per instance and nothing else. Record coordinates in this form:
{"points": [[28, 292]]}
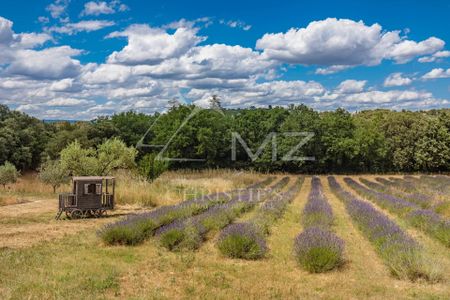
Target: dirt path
{"points": [[26, 224]]}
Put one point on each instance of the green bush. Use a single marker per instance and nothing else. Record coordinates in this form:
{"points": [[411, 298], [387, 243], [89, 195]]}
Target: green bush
{"points": [[242, 240], [318, 250], [127, 234]]}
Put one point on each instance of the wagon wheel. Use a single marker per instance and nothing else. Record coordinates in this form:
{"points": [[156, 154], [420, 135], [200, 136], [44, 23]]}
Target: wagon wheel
{"points": [[101, 212], [77, 214]]}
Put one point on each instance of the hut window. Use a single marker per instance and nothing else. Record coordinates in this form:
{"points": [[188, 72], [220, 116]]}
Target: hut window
{"points": [[90, 189]]}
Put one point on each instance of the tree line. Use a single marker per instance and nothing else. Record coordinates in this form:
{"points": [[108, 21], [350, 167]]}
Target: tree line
{"points": [[339, 141]]}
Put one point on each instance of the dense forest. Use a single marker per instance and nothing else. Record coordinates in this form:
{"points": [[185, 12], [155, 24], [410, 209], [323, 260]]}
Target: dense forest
{"points": [[366, 141]]}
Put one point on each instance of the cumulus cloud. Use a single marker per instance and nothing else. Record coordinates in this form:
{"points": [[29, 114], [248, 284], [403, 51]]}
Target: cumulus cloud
{"points": [[438, 56], [397, 79], [147, 45], [50, 63], [437, 73], [331, 70], [87, 26], [31, 40], [6, 33], [62, 85], [156, 63], [210, 61], [107, 73], [343, 42], [351, 86], [68, 102]]}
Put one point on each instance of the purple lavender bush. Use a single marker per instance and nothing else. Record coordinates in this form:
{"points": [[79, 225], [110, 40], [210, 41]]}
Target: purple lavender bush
{"points": [[400, 252], [318, 250], [317, 211], [242, 240]]}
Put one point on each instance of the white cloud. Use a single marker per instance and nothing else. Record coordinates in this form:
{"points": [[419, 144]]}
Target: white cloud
{"points": [[331, 70], [43, 19], [351, 86], [236, 24], [93, 8], [156, 63], [68, 102], [6, 33], [97, 8], [148, 45], [435, 57], [31, 40], [437, 73], [343, 42], [107, 73], [62, 85], [50, 63], [58, 8], [397, 79], [87, 26]]}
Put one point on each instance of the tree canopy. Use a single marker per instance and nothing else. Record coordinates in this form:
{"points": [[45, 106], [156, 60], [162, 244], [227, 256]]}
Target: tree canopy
{"points": [[367, 141]]}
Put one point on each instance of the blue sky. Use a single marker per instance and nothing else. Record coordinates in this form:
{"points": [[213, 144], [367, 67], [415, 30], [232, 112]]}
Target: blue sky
{"points": [[80, 59]]}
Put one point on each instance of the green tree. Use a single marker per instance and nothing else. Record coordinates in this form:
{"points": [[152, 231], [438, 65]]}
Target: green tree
{"points": [[79, 161], [151, 168], [8, 174], [114, 154], [110, 155], [53, 174]]}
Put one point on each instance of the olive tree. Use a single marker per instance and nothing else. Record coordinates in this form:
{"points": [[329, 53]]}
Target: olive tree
{"points": [[110, 155], [54, 174], [8, 174]]}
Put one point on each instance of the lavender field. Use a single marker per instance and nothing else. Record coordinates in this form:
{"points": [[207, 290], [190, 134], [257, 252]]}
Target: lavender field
{"points": [[276, 236]]}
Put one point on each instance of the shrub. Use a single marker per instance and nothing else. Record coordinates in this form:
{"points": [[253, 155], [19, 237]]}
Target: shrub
{"points": [[317, 211], [242, 240], [181, 238], [151, 167], [318, 250], [127, 233], [8, 174], [52, 173]]}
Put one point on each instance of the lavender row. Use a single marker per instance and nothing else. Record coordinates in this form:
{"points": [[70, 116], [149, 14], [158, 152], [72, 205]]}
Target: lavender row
{"points": [[247, 239], [317, 248], [190, 232], [420, 199], [387, 201], [440, 202], [400, 252], [317, 211], [134, 229], [424, 219]]}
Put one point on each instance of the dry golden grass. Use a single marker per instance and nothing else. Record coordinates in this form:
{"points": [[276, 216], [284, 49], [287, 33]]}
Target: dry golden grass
{"points": [[172, 187], [80, 266]]}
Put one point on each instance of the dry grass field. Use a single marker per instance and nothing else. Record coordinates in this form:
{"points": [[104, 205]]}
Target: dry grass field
{"points": [[41, 258]]}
